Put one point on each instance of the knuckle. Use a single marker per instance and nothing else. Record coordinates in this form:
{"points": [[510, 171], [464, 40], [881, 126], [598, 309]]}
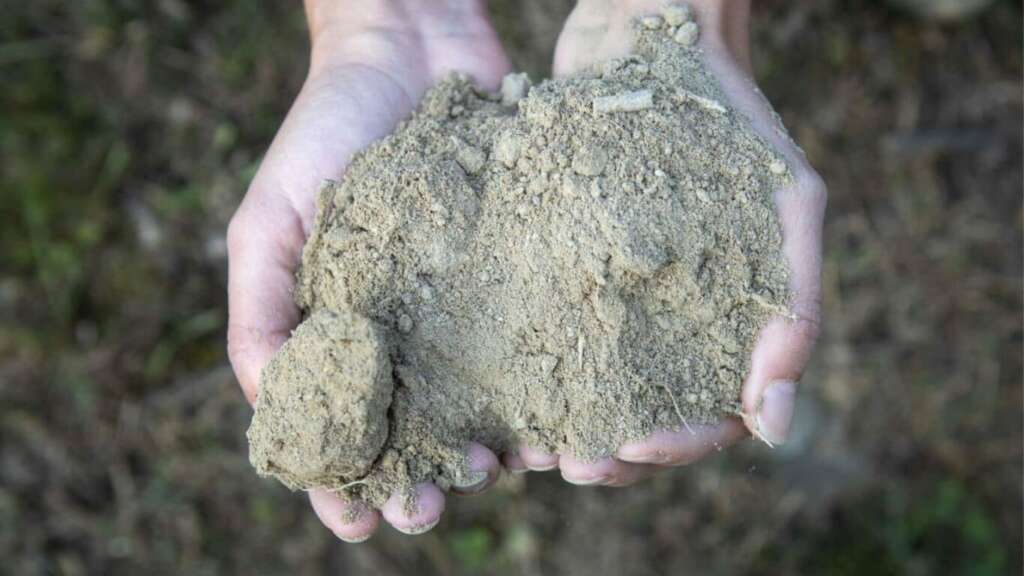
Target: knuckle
{"points": [[811, 184], [807, 328]]}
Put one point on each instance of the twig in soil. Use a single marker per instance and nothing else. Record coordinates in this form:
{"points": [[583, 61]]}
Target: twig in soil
{"points": [[624, 102], [705, 103], [764, 303], [753, 427], [351, 484], [678, 411]]}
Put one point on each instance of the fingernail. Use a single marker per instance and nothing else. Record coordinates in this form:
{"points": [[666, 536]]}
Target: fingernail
{"points": [[417, 529], [356, 540], [544, 468], [514, 464], [776, 411], [586, 481], [473, 481]]}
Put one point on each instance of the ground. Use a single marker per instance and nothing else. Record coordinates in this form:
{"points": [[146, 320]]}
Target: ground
{"points": [[130, 131]]}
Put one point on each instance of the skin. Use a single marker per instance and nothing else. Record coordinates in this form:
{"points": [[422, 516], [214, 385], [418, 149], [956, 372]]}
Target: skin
{"points": [[371, 61]]}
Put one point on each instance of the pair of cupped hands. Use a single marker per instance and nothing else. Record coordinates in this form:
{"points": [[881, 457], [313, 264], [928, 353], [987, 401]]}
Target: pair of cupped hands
{"points": [[371, 61]]}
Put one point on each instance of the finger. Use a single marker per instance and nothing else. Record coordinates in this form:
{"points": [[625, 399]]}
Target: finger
{"points": [[350, 521], [264, 243], [488, 60], [627, 474], [785, 344], [602, 29], [427, 506], [513, 462], [594, 31], [483, 470], [538, 460], [666, 448], [606, 471]]}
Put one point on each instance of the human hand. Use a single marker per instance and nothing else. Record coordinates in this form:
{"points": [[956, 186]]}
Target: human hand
{"points": [[370, 64], [601, 29]]}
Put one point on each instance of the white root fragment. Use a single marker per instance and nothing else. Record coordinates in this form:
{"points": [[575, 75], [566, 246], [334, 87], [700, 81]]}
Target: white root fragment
{"points": [[351, 484], [624, 102], [651, 22], [679, 412], [754, 429], [705, 103], [677, 14], [687, 34], [514, 87]]}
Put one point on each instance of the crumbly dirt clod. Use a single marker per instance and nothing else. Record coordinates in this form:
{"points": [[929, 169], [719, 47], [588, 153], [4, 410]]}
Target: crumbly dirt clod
{"points": [[322, 410], [569, 266]]}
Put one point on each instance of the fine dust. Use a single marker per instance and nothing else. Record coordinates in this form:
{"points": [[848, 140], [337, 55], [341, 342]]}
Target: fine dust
{"points": [[570, 266]]}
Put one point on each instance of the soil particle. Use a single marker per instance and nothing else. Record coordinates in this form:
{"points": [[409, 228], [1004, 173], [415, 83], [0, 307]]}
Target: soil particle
{"points": [[536, 269], [322, 413]]}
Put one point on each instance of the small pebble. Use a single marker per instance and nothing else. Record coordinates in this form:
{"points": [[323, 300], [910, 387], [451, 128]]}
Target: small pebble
{"points": [[589, 161], [677, 14], [471, 159], [651, 22], [687, 34], [514, 88], [405, 323], [571, 186], [508, 148]]}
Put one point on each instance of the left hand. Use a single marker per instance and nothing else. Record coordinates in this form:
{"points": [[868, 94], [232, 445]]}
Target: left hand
{"points": [[600, 29], [370, 63]]}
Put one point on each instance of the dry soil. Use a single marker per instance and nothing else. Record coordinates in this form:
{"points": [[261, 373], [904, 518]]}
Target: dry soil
{"points": [[569, 265]]}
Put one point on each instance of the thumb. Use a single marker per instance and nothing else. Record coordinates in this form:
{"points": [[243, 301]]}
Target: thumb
{"points": [[784, 346], [264, 246]]}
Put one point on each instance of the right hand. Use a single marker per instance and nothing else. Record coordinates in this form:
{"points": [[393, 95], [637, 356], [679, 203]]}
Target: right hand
{"points": [[371, 62]]}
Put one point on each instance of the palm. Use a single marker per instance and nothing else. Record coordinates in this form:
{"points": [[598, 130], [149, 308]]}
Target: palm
{"points": [[360, 96]]}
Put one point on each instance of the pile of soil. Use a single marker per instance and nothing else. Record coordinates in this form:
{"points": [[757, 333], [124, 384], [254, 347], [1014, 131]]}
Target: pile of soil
{"points": [[571, 266]]}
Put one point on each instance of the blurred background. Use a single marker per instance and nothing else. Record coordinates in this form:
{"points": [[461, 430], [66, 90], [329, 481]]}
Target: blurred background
{"points": [[129, 131]]}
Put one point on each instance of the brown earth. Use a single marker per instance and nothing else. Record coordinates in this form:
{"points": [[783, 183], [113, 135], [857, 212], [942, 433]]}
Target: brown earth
{"points": [[570, 266]]}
